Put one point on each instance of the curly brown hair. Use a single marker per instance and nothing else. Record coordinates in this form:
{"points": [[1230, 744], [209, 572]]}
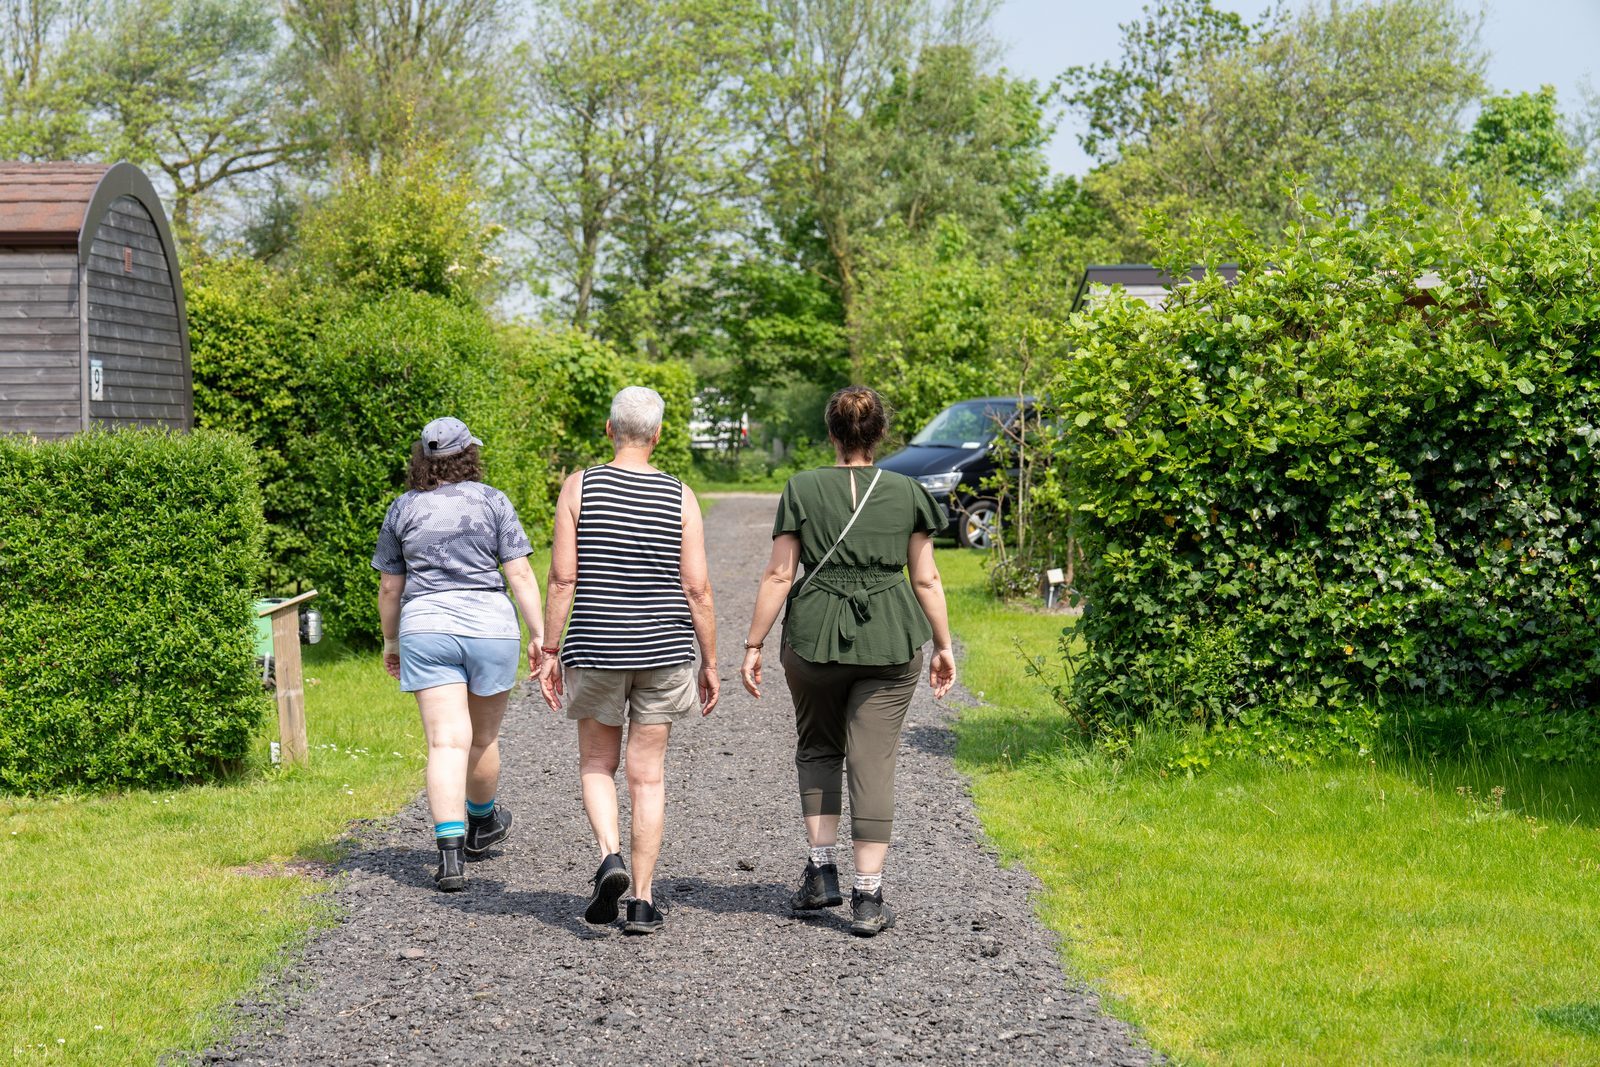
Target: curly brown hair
{"points": [[857, 420], [430, 472]]}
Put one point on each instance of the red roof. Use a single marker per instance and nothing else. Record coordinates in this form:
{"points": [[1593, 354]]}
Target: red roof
{"points": [[44, 203]]}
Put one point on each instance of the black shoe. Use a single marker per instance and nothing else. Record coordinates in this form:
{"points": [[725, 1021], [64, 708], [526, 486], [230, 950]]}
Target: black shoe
{"points": [[643, 918], [610, 882], [452, 873], [486, 831], [869, 915], [819, 888]]}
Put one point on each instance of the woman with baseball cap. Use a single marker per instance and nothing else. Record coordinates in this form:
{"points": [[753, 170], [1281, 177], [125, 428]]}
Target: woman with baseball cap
{"points": [[450, 633]]}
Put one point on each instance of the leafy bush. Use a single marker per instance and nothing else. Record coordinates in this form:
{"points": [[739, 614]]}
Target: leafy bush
{"points": [[249, 330], [1324, 488], [128, 571], [414, 224], [374, 377]]}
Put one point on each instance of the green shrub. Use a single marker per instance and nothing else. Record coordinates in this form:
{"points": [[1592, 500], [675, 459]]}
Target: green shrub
{"points": [[1323, 489], [129, 564], [250, 328], [414, 224], [375, 376]]}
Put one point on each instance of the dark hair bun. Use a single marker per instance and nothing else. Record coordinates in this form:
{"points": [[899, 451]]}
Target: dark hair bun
{"points": [[857, 419]]}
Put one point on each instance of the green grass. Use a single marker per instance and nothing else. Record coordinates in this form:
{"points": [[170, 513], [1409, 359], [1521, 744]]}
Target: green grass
{"points": [[770, 484], [1369, 911], [129, 922]]}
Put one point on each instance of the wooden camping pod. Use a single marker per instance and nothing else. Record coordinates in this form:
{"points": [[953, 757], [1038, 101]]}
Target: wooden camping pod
{"points": [[92, 324]]}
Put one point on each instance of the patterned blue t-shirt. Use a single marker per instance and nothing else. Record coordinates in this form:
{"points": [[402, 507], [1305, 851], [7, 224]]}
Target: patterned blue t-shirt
{"points": [[449, 543]]}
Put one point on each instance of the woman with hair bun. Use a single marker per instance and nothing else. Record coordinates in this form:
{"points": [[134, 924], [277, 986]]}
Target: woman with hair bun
{"points": [[852, 643]]}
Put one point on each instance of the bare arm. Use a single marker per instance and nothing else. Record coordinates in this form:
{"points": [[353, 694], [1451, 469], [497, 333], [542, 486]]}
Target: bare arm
{"points": [[560, 586], [696, 579], [391, 587], [928, 586], [525, 591], [773, 591]]}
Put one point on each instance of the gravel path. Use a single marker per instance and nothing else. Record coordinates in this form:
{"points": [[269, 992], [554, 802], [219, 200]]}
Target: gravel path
{"points": [[507, 971]]}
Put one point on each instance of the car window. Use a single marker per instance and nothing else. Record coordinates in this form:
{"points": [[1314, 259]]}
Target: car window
{"points": [[972, 424]]}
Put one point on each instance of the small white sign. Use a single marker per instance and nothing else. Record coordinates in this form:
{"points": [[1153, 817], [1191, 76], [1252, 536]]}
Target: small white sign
{"points": [[1055, 576], [97, 380]]}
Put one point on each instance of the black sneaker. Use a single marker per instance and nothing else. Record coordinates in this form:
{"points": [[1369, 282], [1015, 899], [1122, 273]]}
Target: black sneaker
{"points": [[452, 873], [869, 915], [819, 888], [486, 831], [610, 882], [643, 918]]}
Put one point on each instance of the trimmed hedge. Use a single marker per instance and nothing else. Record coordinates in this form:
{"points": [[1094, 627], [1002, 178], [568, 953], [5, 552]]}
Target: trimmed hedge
{"points": [[128, 571], [1324, 491]]}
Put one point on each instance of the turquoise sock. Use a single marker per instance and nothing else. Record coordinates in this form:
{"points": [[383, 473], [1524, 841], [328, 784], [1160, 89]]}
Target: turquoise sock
{"points": [[480, 810], [454, 828]]}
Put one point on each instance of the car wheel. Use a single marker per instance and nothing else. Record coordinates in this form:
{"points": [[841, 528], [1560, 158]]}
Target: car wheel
{"points": [[979, 525]]}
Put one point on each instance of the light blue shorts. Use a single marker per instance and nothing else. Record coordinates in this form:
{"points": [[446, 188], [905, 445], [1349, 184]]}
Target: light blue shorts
{"points": [[485, 665]]}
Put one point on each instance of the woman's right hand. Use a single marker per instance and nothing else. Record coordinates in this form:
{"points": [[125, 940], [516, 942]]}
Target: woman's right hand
{"points": [[942, 672], [551, 682], [750, 672]]}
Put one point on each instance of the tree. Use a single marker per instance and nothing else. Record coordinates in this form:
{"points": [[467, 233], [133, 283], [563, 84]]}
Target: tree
{"points": [[1353, 102], [825, 64], [189, 88], [880, 113], [632, 153], [1143, 94], [385, 73], [1517, 140], [413, 225], [961, 142], [44, 112]]}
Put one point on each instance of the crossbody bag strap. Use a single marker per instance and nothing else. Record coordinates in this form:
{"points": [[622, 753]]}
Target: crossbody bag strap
{"points": [[806, 578]]}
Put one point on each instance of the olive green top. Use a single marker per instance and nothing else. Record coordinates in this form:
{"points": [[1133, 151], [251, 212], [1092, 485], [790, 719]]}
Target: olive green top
{"points": [[859, 608]]}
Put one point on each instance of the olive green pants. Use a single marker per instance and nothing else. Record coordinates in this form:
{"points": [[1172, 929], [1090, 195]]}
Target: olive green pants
{"points": [[848, 717]]}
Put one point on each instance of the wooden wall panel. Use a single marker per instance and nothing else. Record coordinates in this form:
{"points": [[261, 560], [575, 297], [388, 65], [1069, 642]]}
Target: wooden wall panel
{"points": [[134, 326], [40, 361]]}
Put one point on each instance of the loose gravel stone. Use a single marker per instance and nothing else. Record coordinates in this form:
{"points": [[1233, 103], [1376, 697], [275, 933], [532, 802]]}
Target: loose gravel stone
{"points": [[512, 974]]}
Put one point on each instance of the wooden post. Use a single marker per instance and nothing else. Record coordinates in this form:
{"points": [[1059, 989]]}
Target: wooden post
{"points": [[289, 679]]}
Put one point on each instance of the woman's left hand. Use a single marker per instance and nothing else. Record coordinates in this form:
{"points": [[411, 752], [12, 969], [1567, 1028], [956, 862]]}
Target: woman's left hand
{"points": [[942, 672], [391, 663]]}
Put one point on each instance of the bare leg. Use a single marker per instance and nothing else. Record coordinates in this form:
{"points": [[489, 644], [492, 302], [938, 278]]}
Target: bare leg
{"points": [[822, 830], [647, 757], [599, 751], [448, 726], [870, 856], [483, 759]]}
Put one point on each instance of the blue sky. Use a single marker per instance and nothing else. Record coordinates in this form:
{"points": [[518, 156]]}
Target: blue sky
{"points": [[1531, 43]]}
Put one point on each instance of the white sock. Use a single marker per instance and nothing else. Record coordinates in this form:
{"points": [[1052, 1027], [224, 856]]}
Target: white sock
{"points": [[869, 883], [824, 855]]}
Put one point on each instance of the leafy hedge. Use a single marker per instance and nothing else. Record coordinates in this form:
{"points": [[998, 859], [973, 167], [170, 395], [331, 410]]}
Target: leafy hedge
{"points": [[128, 568], [1324, 489], [375, 376]]}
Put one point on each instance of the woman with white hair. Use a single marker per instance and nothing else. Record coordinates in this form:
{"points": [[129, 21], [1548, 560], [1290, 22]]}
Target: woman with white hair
{"points": [[629, 562]]}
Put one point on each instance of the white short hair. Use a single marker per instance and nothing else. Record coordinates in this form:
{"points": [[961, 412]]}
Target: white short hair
{"points": [[636, 414]]}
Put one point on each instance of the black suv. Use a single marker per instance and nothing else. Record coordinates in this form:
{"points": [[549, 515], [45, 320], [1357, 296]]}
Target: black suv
{"points": [[957, 455]]}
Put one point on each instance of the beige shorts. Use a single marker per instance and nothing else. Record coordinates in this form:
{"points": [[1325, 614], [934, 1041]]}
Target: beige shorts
{"points": [[645, 698]]}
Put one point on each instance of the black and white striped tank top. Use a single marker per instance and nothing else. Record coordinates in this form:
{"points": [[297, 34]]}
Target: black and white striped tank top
{"points": [[628, 611]]}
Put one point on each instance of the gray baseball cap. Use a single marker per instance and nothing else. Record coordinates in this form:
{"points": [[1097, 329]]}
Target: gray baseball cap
{"points": [[447, 437]]}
